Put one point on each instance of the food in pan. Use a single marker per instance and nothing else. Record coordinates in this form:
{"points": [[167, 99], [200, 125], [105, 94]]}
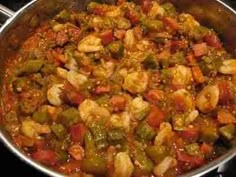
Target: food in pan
{"points": [[125, 90]]}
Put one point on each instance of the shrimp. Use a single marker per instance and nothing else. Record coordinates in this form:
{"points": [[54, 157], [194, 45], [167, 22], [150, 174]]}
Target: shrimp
{"points": [[90, 44], [208, 98], [136, 82], [89, 110], [76, 79], [33, 129], [53, 94], [182, 100], [228, 67], [181, 75], [123, 165]]}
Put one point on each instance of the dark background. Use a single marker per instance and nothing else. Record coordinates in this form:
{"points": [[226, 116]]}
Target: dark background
{"points": [[12, 166]]}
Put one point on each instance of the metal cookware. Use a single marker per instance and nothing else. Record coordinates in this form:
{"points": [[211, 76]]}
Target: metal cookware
{"points": [[212, 13]]}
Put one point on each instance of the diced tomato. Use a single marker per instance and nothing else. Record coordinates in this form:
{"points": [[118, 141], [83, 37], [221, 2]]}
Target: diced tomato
{"points": [[200, 49], [102, 89], [191, 59], [197, 74], [155, 117], [119, 34], [118, 103], [107, 37], [224, 117], [226, 95], [193, 161], [154, 96], [72, 97], [76, 151], [146, 5], [132, 16], [98, 11], [213, 41], [177, 45], [171, 23], [47, 157], [77, 133], [190, 134], [206, 148]]}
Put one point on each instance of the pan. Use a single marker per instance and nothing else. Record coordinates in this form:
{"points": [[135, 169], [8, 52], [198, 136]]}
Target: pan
{"points": [[18, 26]]}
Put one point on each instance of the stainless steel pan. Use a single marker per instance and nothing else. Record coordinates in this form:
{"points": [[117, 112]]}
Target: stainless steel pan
{"points": [[212, 13]]}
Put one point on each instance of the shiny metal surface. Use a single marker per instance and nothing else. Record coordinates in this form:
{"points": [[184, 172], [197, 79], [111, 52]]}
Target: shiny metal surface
{"points": [[212, 13]]}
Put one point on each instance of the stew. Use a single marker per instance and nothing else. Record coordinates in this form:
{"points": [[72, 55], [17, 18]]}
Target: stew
{"points": [[127, 90]]}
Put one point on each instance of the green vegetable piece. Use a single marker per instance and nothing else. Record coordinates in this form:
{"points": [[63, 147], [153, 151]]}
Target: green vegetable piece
{"points": [[115, 136], [145, 164], [63, 16], [193, 149], [103, 100], [117, 49], [26, 107], [145, 132], [150, 62], [59, 130], [169, 9], [89, 144], [48, 69], [157, 154], [63, 156], [152, 25], [69, 117], [100, 135], [41, 117], [227, 131], [21, 84], [209, 134], [94, 165], [30, 66]]}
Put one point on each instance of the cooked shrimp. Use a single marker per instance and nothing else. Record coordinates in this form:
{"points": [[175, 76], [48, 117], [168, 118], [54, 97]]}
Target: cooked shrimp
{"points": [[53, 94], [228, 67], [208, 98]]}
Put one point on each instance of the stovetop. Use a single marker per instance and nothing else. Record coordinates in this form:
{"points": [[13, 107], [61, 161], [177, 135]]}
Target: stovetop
{"points": [[11, 165]]}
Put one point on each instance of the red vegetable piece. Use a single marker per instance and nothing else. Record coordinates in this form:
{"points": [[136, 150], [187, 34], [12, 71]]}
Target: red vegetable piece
{"points": [[226, 95], [118, 103], [206, 148], [213, 41], [200, 49], [154, 96], [77, 133], [132, 16], [102, 89], [46, 157], [171, 23], [146, 5], [155, 117], [190, 134], [98, 11], [193, 161], [107, 37]]}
